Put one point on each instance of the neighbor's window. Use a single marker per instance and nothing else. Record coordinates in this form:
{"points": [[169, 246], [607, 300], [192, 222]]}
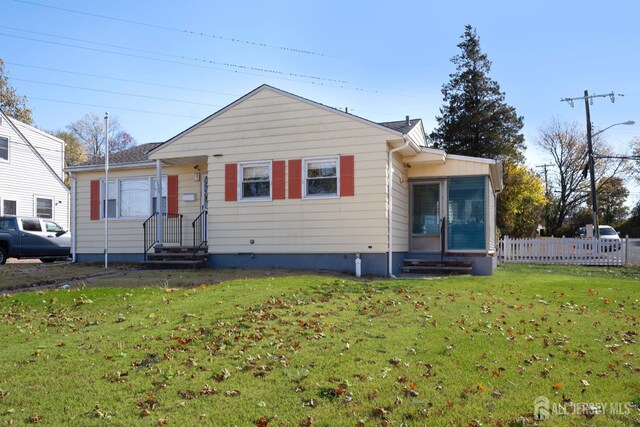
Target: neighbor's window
{"points": [[4, 148], [321, 177], [9, 207], [255, 180], [132, 197], [44, 207]]}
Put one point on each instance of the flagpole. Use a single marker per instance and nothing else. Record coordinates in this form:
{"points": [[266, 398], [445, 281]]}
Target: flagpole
{"points": [[106, 190]]}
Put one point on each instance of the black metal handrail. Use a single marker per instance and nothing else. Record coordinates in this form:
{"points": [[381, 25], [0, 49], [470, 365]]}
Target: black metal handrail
{"points": [[198, 226], [149, 231], [171, 230]]}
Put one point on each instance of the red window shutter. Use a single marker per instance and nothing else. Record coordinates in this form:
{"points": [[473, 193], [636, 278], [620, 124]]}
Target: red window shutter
{"points": [[346, 176], [231, 182], [95, 199], [172, 194], [278, 178], [295, 179]]}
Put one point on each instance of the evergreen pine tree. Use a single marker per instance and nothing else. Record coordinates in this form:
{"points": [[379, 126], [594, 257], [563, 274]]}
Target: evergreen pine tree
{"points": [[475, 120]]}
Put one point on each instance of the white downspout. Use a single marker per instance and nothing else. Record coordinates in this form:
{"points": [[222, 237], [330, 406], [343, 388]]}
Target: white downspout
{"points": [[159, 207], [390, 203], [73, 216]]}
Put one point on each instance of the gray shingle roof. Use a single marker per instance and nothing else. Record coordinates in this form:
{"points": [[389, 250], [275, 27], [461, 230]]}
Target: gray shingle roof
{"points": [[136, 154], [401, 125]]}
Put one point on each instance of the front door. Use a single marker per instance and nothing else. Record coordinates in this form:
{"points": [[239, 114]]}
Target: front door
{"points": [[425, 216]]}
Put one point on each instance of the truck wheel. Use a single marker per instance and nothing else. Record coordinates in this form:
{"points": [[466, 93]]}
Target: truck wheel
{"points": [[3, 255]]}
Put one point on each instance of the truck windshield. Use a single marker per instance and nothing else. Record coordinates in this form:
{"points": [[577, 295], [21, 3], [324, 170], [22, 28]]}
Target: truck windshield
{"points": [[607, 231]]}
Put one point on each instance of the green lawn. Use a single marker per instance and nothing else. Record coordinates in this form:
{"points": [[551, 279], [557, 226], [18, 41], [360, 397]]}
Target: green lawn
{"points": [[325, 351]]}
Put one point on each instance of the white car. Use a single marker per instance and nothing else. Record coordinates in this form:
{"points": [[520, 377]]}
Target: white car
{"points": [[608, 234]]}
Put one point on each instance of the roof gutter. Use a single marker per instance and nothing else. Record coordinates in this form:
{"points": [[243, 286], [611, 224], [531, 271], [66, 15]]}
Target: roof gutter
{"points": [[406, 144], [89, 168]]}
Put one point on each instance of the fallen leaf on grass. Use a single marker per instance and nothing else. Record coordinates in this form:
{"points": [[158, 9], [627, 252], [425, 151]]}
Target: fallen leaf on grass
{"points": [[557, 386]]}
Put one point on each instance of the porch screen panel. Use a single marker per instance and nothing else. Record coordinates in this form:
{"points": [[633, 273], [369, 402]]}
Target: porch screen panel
{"points": [[466, 213], [426, 209]]}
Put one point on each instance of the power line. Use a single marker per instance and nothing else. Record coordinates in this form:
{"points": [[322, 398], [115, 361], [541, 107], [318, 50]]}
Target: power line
{"points": [[122, 80], [202, 65], [154, 84], [117, 93], [116, 108], [226, 64], [184, 31], [357, 89]]}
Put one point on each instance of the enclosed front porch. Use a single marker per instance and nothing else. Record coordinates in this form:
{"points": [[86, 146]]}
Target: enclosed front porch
{"points": [[452, 214]]}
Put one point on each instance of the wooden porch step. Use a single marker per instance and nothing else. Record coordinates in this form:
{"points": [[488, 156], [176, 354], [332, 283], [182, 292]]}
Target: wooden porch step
{"points": [[437, 270], [436, 263], [184, 263], [426, 267], [180, 249], [177, 255]]}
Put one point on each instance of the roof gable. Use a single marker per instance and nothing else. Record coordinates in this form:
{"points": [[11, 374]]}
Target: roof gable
{"points": [[15, 126], [393, 132]]}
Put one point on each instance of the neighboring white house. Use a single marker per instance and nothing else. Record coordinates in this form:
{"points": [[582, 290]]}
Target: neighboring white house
{"points": [[287, 182], [31, 173]]}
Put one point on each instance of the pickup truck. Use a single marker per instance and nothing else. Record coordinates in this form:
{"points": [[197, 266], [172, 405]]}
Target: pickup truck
{"points": [[41, 238]]}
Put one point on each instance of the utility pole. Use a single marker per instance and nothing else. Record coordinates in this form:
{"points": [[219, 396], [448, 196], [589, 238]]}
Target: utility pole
{"points": [[546, 182], [547, 195], [588, 100]]}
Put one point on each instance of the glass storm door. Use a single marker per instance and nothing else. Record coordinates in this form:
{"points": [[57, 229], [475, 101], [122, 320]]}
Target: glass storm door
{"points": [[425, 217]]}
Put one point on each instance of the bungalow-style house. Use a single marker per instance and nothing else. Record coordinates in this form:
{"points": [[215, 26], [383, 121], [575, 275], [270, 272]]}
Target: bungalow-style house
{"points": [[31, 173], [276, 180]]}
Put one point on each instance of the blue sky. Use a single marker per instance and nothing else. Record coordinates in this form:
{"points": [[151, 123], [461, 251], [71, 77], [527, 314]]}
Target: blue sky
{"points": [[382, 60]]}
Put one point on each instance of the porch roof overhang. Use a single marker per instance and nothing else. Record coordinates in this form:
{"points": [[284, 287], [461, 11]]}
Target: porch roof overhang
{"points": [[432, 156], [186, 160]]}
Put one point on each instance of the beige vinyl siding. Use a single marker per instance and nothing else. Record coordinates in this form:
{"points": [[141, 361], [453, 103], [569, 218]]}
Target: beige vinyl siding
{"points": [[125, 235], [453, 167], [272, 126], [24, 177], [400, 206]]}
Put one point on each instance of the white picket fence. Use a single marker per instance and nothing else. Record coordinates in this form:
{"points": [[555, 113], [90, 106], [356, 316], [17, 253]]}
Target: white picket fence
{"points": [[562, 250]]}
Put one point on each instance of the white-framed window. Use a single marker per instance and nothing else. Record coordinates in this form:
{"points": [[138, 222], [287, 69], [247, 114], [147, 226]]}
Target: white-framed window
{"points": [[9, 207], [320, 177], [43, 207], [131, 198], [254, 181], [4, 148]]}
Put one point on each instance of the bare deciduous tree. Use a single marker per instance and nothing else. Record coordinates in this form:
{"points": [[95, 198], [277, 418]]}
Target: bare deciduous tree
{"points": [[90, 131]]}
